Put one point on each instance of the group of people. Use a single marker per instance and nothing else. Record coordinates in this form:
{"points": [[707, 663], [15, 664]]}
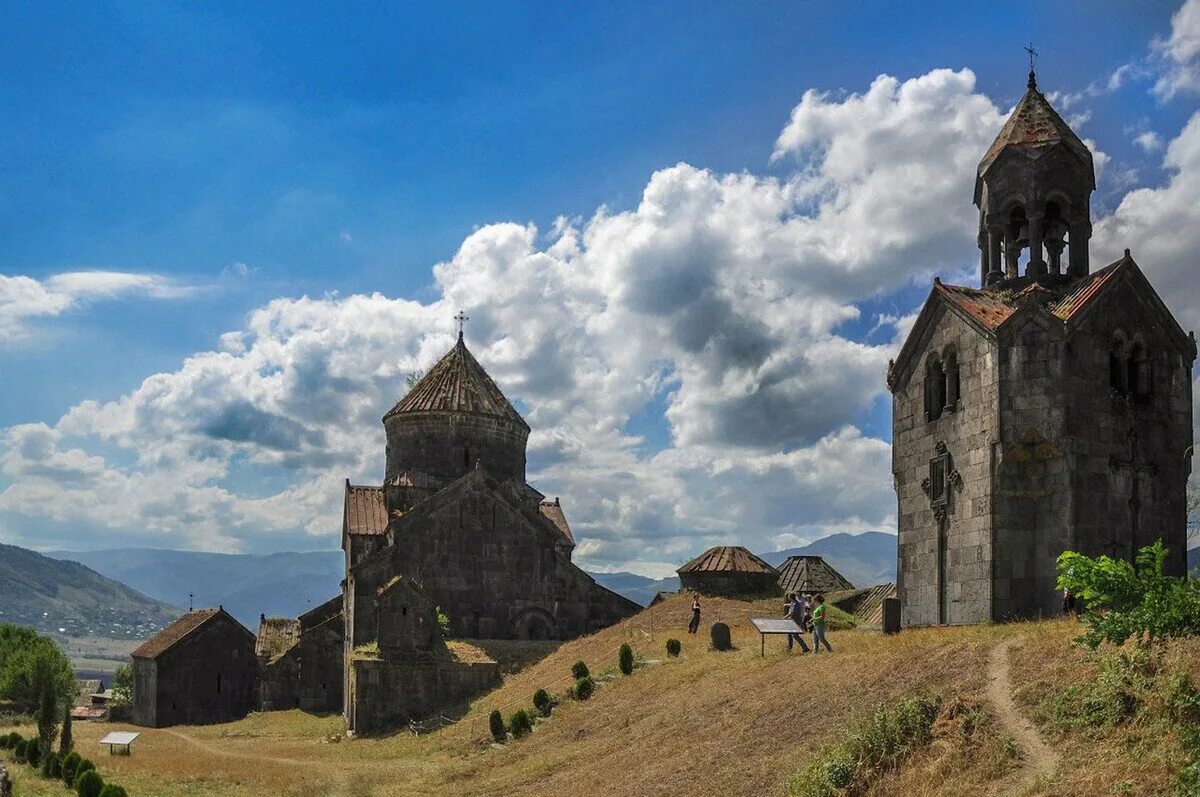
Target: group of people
{"points": [[808, 612]]}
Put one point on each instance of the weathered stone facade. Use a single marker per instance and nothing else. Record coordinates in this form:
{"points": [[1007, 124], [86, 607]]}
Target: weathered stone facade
{"points": [[1043, 412], [200, 669]]}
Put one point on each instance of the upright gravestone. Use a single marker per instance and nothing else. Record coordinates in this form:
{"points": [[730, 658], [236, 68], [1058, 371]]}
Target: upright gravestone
{"points": [[720, 637], [891, 615]]}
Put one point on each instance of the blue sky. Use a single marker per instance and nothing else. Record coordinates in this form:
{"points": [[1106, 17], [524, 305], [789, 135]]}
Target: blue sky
{"points": [[237, 155]]}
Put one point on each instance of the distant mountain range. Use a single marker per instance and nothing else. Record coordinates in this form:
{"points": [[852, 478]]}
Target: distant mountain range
{"points": [[247, 585], [66, 598]]}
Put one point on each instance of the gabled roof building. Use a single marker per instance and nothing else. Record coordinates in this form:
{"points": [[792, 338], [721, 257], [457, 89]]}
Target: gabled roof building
{"points": [[1049, 408], [810, 574], [728, 570]]}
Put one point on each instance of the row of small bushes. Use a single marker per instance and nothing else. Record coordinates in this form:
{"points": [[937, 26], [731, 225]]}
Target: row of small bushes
{"points": [[76, 773], [870, 748], [520, 722]]}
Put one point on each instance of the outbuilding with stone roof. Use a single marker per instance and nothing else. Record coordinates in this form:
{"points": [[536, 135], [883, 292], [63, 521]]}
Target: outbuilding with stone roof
{"points": [[199, 669], [811, 575], [728, 570]]}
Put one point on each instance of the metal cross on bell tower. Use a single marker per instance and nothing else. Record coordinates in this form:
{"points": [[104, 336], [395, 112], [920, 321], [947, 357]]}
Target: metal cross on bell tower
{"points": [[461, 319], [1032, 65]]}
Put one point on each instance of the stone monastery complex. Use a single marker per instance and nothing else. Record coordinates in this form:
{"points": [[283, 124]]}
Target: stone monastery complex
{"points": [[1047, 409]]}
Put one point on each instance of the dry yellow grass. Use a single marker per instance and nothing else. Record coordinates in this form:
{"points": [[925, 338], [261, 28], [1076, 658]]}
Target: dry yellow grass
{"points": [[706, 723]]}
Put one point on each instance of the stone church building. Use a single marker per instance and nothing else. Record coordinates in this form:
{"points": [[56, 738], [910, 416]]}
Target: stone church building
{"points": [[1047, 409]]}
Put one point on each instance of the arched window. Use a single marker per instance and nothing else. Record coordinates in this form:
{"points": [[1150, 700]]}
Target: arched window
{"points": [[1118, 371], [950, 391], [935, 389]]}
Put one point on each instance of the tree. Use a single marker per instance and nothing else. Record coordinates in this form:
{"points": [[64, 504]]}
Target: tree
{"points": [[47, 723], [122, 684], [28, 662], [65, 741], [1123, 600]]}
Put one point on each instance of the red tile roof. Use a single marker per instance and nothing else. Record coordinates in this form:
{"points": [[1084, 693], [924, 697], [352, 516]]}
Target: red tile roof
{"points": [[1085, 292], [725, 559], [989, 308], [458, 383], [1034, 124], [365, 510], [165, 639]]}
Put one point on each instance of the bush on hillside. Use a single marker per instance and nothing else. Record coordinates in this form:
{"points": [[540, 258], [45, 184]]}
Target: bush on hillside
{"points": [[871, 747], [1123, 600], [580, 670], [496, 725], [674, 647], [519, 724], [33, 751], [89, 784], [9, 740], [84, 765], [542, 702], [113, 790], [625, 659], [52, 766], [583, 688], [70, 763], [19, 751], [721, 639]]}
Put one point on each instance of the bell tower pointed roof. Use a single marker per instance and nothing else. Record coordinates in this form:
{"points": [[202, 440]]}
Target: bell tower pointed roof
{"points": [[457, 383], [1034, 126]]}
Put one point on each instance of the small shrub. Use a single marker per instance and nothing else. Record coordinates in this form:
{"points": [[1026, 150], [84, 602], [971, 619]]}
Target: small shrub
{"points": [[4, 742], [542, 702], [580, 670], [496, 724], [625, 659], [583, 688], [674, 647], [51, 766], [519, 724], [70, 763], [89, 783], [19, 751], [33, 751], [721, 639], [113, 790], [84, 765]]}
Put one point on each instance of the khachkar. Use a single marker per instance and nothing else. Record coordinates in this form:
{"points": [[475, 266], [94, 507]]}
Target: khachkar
{"points": [[455, 526], [1048, 409]]}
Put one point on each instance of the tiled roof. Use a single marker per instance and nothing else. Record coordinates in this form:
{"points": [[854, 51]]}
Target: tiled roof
{"points": [[458, 383], [162, 641], [989, 308], [726, 559], [810, 574], [1085, 292], [276, 635], [553, 512], [365, 510], [1032, 125]]}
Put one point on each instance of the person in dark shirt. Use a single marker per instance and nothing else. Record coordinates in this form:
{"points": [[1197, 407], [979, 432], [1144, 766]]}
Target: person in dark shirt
{"points": [[694, 625], [795, 613]]}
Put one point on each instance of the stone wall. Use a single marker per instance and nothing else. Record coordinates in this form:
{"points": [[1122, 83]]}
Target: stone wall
{"points": [[944, 572], [209, 676], [277, 682], [730, 583], [387, 694], [320, 651], [448, 445]]}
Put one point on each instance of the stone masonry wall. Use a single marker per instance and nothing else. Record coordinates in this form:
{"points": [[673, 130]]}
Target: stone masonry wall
{"points": [[386, 694], [447, 445], [946, 579]]}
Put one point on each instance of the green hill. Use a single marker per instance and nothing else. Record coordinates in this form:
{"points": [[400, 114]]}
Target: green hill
{"points": [[65, 598]]}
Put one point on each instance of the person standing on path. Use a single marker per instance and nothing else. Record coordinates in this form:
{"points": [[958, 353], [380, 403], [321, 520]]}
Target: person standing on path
{"points": [[818, 623], [795, 613], [694, 625]]}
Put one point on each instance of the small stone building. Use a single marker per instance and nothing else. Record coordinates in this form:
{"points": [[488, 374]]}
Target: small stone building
{"points": [[729, 570], [301, 661], [200, 669], [810, 574], [278, 664], [1048, 409]]}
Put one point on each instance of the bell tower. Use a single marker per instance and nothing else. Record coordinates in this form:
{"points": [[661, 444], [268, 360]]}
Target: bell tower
{"points": [[1033, 190]]}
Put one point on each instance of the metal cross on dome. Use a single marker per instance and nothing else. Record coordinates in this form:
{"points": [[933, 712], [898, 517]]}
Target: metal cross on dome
{"points": [[461, 319], [1032, 64]]}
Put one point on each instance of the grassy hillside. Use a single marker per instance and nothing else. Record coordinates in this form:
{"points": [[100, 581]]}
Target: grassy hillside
{"points": [[65, 597], [707, 723]]}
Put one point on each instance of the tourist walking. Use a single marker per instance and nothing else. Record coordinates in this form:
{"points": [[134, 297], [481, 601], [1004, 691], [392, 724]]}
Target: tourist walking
{"points": [[818, 624], [795, 613], [694, 625]]}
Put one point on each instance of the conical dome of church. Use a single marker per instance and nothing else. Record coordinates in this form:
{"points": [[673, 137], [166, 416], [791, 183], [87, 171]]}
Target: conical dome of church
{"points": [[453, 420], [458, 383]]}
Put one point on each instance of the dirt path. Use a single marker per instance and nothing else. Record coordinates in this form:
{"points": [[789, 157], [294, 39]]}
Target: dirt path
{"points": [[1039, 758], [232, 754]]}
